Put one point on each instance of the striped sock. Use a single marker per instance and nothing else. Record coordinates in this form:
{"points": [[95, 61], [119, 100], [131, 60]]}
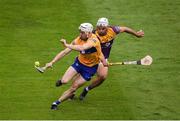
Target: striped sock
{"points": [[56, 102]]}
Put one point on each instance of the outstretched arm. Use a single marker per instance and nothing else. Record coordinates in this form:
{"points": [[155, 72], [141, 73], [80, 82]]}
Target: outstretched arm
{"points": [[58, 57], [77, 47], [139, 33]]}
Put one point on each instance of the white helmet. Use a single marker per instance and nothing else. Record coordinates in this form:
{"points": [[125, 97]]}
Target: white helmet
{"points": [[102, 22], [86, 27]]}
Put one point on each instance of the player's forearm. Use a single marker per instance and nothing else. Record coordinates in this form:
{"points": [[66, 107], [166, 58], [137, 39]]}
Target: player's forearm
{"points": [[103, 60], [75, 47], [60, 55], [130, 31]]}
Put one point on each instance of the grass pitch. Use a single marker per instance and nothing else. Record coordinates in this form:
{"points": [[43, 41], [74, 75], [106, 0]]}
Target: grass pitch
{"points": [[30, 30]]}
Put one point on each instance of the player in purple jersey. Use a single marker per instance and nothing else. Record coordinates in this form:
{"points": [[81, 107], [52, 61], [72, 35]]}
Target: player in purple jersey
{"points": [[106, 34]]}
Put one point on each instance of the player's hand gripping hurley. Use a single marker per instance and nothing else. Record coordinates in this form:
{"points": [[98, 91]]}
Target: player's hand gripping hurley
{"points": [[42, 69]]}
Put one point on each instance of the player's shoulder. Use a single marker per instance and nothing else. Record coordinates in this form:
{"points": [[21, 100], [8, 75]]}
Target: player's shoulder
{"points": [[76, 40], [115, 29], [94, 38]]}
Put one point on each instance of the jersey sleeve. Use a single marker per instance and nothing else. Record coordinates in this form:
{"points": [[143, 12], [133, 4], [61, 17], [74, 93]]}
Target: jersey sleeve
{"points": [[116, 29]]}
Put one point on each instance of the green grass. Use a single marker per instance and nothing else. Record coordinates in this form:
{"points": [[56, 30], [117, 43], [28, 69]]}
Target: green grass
{"points": [[30, 30]]}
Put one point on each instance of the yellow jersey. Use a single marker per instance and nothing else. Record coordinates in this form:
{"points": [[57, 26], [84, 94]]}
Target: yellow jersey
{"points": [[91, 56], [111, 34], [107, 40]]}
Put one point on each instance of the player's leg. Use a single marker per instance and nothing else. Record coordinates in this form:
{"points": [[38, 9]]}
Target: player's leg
{"points": [[75, 85], [79, 81], [73, 79], [68, 75], [102, 73]]}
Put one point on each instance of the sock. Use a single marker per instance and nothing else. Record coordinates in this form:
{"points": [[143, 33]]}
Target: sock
{"points": [[87, 89], [56, 102]]}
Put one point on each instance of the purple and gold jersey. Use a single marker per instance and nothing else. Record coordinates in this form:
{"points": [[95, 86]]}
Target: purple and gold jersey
{"points": [[107, 40]]}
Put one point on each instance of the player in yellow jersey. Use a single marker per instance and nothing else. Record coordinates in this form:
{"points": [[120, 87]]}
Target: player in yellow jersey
{"points": [[106, 35], [85, 65]]}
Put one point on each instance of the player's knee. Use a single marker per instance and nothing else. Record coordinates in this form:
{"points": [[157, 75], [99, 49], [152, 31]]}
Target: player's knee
{"points": [[74, 87], [102, 76]]}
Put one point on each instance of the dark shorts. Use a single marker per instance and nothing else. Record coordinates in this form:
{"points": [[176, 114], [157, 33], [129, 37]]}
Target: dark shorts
{"points": [[106, 48], [85, 71]]}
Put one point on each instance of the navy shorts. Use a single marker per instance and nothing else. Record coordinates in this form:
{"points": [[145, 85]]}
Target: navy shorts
{"points": [[85, 71]]}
